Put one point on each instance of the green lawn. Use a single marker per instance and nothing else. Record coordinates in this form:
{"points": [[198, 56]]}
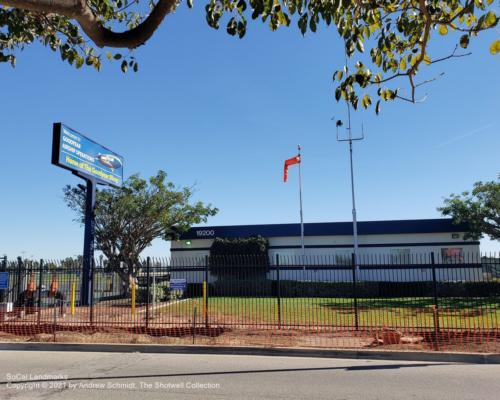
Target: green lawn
{"points": [[339, 312]]}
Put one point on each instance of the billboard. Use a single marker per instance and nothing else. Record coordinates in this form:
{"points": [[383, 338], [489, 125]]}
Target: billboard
{"points": [[76, 152]]}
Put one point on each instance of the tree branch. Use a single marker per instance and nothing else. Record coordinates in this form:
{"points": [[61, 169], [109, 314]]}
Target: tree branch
{"points": [[389, 78], [429, 80], [92, 26], [452, 55], [467, 8], [412, 100], [423, 45]]}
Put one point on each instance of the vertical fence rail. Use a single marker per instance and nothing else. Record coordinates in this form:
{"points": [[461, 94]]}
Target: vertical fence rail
{"points": [[148, 289], [205, 290], [354, 265], [435, 306], [92, 292], [20, 271], [448, 300], [278, 289], [40, 284]]}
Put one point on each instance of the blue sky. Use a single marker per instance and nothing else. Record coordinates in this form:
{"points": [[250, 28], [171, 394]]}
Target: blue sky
{"points": [[224, 113]]}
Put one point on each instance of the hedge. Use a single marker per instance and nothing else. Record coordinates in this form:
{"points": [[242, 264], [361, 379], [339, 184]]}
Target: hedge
{"points": [[290, 288], [240, 257]]}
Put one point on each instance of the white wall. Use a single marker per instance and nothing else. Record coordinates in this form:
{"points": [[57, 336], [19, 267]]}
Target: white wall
{"points": [[392, 240]]}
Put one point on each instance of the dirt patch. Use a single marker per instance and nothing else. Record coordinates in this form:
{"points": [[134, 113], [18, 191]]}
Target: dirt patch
{"points": [[9, 337], [235, 337], [264, 336]]}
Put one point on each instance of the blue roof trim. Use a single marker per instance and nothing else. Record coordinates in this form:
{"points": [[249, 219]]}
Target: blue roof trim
{"points": [[347, 246], [441, 225]]}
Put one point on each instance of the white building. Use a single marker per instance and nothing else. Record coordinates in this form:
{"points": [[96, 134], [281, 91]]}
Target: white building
{"points": [[400, 237], [402, 242]]}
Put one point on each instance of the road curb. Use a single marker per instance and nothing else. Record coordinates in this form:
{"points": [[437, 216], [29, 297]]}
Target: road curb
{"points": [[471, 358]]}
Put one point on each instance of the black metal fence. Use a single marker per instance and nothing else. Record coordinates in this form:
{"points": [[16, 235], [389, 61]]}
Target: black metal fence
{"points": [[410, 293]]}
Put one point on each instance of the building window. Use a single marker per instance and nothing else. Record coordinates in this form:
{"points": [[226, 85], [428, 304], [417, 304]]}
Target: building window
{"points": [[400, 256], [452, 254]]}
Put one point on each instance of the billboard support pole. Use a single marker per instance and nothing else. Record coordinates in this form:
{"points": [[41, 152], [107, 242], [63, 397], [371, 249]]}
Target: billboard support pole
{"points": [[88, 244]]}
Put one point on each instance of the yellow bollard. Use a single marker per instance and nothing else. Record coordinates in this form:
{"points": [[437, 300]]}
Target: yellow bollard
{"points": [[133, 298], [205, 308], [73, 297]]}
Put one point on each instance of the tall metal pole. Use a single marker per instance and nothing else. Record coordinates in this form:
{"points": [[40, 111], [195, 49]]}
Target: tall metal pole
{"points": [[301, 212], [350, 139], [354, 220], [88, 244]]}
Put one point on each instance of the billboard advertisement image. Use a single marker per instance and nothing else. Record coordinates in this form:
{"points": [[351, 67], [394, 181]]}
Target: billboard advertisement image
{"points": [[76, 152]]}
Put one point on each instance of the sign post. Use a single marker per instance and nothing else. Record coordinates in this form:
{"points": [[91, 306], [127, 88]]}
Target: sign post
{"points": [[4, 280], [96, 165], [88, 244], [178, 284]]}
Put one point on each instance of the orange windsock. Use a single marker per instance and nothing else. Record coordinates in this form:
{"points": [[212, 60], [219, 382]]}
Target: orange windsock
{"points": [[290, 161]]}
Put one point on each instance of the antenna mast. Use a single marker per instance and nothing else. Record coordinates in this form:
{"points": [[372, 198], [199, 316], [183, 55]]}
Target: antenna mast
{"points": [[350, 139]]}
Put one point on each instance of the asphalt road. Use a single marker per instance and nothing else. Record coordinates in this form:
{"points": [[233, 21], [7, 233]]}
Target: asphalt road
{"points": [[108, 376]]}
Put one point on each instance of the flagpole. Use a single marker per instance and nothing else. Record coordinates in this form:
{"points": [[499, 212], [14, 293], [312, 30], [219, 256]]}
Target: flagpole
{"points": [[301, 213]]}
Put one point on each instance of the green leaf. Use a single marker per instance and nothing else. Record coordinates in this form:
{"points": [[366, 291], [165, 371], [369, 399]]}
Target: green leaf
{"points": [[242, 27], [354, 102], [79, 62], [312, 24], [338, 93], [241, 6], [360, 79], [302, 22], [283, 18], [366, 101], [232, 26], [443, 30], [464, 41], [377, 107], [402, 64], [359, 45], [495, 47], [490, 19], [124, 66]]}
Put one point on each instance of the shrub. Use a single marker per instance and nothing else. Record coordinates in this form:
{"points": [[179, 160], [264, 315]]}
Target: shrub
{"points": [[161, 291], [240, 258], [291, 288]]}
